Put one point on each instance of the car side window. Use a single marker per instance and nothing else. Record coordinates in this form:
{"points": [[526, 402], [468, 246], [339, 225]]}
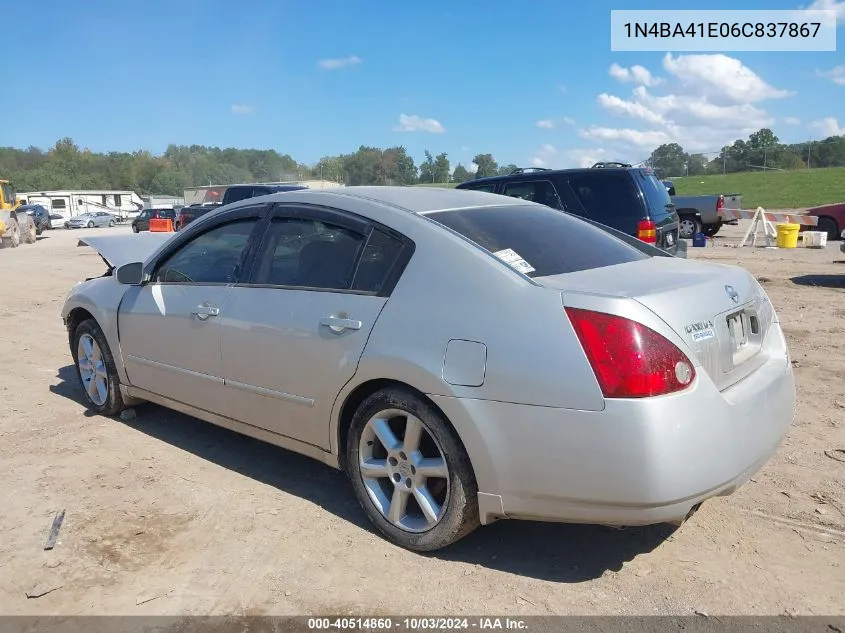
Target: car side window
{"points": [[377, 261], [540, 191], [308, 253], [490, 188], [213, 257], [604, 197]]}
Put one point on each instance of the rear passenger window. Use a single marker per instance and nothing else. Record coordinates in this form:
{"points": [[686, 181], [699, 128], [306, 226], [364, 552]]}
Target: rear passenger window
{"points": [[377, 262], [540, 191], [605, 198], [488, 188]]}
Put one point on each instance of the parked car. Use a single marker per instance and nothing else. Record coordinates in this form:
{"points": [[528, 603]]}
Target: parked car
{"points": [[190, 213], [700, 214], [629, 199], [831, 219], [90, 220], [235, 193], [142, 221], [39, 215], [57, 220], [463, 356]]}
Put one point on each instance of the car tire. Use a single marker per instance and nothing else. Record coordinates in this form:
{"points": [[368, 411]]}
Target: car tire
{"points": [[13, 239], [134, 228], [96, 370], [711, 229], [90, 224], [688, 226], [451, 498], [829, 226], [111, 223]]}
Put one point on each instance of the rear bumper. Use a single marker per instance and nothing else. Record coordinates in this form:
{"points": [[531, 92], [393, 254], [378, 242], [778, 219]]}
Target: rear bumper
{"points": [[635, 462]]}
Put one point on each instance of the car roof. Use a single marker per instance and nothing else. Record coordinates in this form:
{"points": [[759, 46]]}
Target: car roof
{"points": [[540, 175], [419, 200]]}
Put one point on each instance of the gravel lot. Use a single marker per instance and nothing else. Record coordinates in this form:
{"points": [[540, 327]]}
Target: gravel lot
{"points": [[169, 515]]}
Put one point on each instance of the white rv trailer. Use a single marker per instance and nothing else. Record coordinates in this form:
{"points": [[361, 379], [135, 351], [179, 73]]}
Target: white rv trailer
{"points": [[124, 204]]}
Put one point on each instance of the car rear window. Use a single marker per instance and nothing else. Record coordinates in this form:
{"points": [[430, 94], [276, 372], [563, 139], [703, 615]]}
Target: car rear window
{"points": [[543, 239], [656, 196]]}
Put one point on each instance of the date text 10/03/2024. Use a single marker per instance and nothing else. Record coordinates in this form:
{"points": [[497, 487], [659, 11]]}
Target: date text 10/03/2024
{"points": [[722, 29], [416, 623]]}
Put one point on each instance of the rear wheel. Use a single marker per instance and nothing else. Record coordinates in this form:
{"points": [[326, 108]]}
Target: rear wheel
{"points": [[96, 369], [111, 223], [134, 228], [90, 224], [410, 472], [689, 226], [829, 226], [711, 229], [13, 234]]}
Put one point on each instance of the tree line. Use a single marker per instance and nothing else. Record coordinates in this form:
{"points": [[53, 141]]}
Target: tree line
{"points": [[762, 151], [66, 166]]}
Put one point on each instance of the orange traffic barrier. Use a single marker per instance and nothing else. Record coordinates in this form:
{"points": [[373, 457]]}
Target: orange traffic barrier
{"points": [[161, 225]]}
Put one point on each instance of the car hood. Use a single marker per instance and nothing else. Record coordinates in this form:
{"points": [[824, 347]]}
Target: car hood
{"points": [[117, 250]]}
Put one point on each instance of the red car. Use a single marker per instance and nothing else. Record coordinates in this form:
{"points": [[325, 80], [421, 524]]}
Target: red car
{"points": [[190, 213], [831, 219]]}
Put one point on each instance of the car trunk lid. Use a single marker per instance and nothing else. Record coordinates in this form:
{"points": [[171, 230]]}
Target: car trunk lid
{"points": [[720, 311]]}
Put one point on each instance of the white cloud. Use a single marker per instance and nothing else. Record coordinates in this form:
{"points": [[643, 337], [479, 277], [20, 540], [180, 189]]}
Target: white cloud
{"points": [[791, 120], [546, 124], [569, 120], [339, 62], [838, 6], [646, 140], [635, 74], [545, 156], [242, 109], [828, 126], [618, 106], [414, 123], [835, 74], [721, 77]]}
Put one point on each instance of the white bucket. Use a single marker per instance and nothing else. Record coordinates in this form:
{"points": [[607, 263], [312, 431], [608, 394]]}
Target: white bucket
{"points": [[815, 239]]}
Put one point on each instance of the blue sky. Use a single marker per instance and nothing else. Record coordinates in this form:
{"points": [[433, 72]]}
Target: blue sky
{"points": [[530, 82]]}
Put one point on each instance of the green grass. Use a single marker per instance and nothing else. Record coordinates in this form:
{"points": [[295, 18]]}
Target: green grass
{"points": [[771, 189]]}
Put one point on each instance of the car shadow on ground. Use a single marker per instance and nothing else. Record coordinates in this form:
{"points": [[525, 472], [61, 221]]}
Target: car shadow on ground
{"points": [[555, 552], [822, 281]]}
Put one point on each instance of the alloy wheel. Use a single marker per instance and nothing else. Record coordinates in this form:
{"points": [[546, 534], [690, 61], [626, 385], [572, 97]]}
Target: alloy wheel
{"points": [[404, 470], [92, 370]]}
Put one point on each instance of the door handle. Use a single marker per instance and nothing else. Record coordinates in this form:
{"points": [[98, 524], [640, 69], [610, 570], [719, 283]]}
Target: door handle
{"points": [[202, 312], [338, 324]]}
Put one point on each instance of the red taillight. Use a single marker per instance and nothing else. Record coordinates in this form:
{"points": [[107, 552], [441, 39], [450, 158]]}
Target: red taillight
{"points": [[720, 202], [647, 231], [629, 359]]}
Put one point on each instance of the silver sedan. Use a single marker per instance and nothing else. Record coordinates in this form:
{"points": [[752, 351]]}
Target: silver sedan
{"points": [[464, 357], [90, 220]]}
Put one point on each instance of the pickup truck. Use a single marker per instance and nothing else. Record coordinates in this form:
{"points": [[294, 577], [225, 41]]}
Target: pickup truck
{"points": [[701, 213]]}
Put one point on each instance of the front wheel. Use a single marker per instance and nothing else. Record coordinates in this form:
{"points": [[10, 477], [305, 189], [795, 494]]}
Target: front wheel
{"points": [[134, 228], [410, 472], [111, 223], [30, 234], [91, 224], [96, 369], [711, 229], [13, 234]]}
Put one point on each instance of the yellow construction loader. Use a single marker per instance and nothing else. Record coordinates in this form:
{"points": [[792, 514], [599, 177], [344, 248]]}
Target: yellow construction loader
{"points": [[14, 227]]}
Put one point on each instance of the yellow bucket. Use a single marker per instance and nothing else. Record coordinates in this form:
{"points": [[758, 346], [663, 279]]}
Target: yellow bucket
{"points": [[787, 235]]}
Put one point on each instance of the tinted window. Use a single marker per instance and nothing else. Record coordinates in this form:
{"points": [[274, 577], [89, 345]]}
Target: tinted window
{"points": [[540, 191], [551, 242], [308, 253], [233, 194], [377, 262], [58, 204], [607, 197], [656, 196], [213, 257], [490, 188]]}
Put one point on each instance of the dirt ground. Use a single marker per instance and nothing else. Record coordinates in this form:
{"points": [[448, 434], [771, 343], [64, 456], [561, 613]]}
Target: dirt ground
{"points": [[169, 515]]}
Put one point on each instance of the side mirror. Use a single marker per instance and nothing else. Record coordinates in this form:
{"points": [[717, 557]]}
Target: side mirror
{"points": [[131, 274]]}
